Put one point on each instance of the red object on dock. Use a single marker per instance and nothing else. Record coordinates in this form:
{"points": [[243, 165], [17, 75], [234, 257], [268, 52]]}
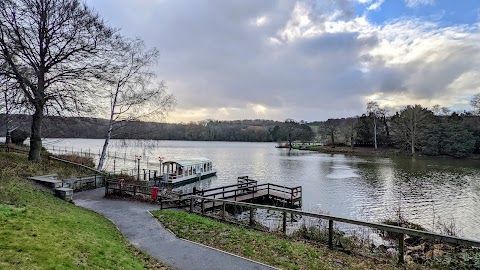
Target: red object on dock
{"points": [[154, 193]]}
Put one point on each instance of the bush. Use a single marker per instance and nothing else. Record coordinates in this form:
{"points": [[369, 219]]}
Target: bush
{"points": [[19, 136]]}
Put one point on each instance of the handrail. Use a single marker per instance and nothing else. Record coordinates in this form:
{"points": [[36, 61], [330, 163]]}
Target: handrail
{"points": [[77, 164], [249, 187], [389, 228], [212, 189]]}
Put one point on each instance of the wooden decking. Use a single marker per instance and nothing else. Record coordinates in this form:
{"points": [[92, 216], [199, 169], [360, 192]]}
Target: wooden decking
{"points": [[247, 190]]}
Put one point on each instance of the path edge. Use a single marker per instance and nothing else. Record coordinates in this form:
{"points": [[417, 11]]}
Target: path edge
{"points": [[196, 243]]}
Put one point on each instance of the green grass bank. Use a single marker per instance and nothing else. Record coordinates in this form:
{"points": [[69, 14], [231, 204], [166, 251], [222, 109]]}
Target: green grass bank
{"points": [[39, 231], [267, 248]]}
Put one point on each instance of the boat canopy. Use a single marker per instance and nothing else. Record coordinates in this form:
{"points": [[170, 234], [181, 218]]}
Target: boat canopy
{"points": [[189, 162]]}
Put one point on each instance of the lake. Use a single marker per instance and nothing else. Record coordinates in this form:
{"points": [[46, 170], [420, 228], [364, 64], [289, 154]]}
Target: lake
{"points": [[366, 188]]}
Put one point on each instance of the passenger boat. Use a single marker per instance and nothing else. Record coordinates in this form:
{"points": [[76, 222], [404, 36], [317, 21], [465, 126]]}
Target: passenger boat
{"points": [[187, 171]]}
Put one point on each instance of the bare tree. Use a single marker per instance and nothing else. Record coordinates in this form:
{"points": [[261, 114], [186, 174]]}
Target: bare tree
{"points": [[133, 91], [410, 125], [54, 51], [331, 129], [373, 110], [475, 102]]}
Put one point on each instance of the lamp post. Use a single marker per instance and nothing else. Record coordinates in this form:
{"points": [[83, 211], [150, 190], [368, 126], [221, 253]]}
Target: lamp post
{"points": [[138, 158], [160, 171]]}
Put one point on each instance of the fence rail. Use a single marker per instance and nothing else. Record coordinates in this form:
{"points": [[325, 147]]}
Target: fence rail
{"points": [[331, 219], [246, 186]]}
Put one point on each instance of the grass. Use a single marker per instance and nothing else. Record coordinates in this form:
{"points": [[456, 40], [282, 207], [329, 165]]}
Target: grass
{"points": [[39, 231], [267, 248]]}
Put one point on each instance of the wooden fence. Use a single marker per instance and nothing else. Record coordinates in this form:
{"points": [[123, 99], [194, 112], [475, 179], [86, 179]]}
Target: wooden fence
{"points": [[331, 219]]}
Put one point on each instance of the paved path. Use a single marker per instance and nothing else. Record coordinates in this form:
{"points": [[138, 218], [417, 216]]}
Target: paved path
{"points": [[145, 232]]}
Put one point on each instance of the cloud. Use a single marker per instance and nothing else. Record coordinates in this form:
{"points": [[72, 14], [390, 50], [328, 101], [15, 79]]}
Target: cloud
{"points": [[309, 60], [376, 5], [416, 3]]}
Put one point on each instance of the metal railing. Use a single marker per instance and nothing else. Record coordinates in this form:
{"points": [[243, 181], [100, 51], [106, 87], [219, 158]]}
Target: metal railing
{"points": [[331, 219]]}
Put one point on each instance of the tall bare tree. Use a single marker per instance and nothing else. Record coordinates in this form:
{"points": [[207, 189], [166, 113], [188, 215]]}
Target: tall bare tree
{"points": [[133, 91], [373, 111], [475, 102], [55, 51], [410, 126]]}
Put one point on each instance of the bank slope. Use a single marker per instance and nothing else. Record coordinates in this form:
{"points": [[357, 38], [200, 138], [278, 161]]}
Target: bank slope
{"points": [[39, 231]]}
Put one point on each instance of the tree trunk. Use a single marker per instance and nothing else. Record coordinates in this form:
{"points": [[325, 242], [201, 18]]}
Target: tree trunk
{"points": [[332, 137], [413, 147], [105, 146], [36, 135], [375, 131], [387, 129], [8, 138], [110, 128]]}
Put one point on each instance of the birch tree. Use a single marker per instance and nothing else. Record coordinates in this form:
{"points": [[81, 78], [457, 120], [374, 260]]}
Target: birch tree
{"points": [[55, 51], [133, 91]]}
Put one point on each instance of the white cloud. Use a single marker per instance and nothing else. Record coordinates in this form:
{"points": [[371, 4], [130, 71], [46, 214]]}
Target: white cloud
{"points": [[375, 5], [416, 3], [309, 60], [259, 21]]}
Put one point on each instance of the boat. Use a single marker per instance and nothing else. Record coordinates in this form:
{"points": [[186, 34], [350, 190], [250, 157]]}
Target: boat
{"points": [[187, 171]]}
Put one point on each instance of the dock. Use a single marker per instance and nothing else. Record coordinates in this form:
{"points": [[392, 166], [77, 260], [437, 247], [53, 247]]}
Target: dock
{"points": [[248, 190]]}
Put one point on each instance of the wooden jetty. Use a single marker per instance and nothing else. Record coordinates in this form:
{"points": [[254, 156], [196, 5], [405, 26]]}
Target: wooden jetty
{"points": [[248, 190]]}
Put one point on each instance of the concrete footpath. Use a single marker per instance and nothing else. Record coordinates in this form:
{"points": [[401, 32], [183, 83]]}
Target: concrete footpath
{"points": [[149, 235]]}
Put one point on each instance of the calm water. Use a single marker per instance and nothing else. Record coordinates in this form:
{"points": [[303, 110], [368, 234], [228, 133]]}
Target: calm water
{"points": [[367, 188]]}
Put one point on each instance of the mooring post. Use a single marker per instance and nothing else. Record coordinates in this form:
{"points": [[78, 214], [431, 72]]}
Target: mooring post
{"points": [[330, 233], [252, 220], [401, 248], [203, 206], [223, 211], [284, 227], [191, 204]]}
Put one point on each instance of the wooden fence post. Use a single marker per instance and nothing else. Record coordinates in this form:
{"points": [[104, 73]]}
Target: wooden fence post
{"points": [[252, 220], [203, 206], [191, 204], [284, 223], [330, 233], [401, 248], [223, 211]]}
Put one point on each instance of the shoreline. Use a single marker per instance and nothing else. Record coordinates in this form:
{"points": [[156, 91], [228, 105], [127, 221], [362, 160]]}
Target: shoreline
{"points": [[366, 151]]}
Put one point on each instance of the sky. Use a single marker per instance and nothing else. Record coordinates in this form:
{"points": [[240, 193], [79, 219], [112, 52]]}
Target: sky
{"points": [[307, 60]]}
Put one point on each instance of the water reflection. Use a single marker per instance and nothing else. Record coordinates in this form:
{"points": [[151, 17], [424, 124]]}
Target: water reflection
{"points": [[370, 188]]}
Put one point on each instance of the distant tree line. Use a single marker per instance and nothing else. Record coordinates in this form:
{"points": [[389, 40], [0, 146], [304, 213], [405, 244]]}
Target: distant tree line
{"points": [[208, 130], [415, 129]]}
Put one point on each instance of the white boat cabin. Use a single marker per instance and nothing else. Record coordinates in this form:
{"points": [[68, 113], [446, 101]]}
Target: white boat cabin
{"points": [[189, 170]]}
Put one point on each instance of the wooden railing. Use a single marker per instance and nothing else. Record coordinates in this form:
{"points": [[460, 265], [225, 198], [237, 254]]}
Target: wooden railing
{"points": [[331, 219], [126, 188], [246, 186]]}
